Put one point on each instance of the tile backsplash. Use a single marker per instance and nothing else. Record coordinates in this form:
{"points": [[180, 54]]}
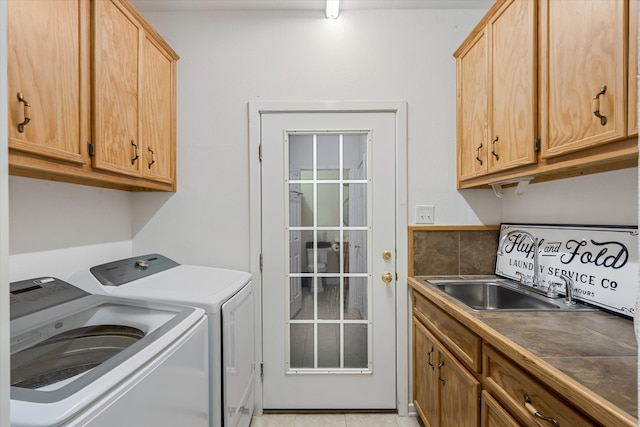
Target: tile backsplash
{"points": [[451, 250]]}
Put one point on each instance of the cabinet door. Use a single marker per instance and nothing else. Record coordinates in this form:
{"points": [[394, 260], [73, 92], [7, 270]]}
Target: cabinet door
{"points": [[513, 86], [633, 69], [47, 56], [116, 41], [158, 114], [459, 392], [425, 381], [472, 137], [584, 45], [494, 415]]}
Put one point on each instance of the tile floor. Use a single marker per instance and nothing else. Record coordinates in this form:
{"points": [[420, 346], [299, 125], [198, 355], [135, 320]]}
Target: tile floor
{"points": [[334, 420]]}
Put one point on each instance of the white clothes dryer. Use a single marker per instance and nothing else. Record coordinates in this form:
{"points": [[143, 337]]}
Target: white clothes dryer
{"points": [[92, 360], [225, 295]]}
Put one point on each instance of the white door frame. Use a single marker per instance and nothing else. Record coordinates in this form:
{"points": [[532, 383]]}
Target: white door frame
{"points": [[399, 108]]}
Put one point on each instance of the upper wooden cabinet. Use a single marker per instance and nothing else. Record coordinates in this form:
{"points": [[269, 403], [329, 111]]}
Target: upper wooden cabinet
{"points": [[633, 69], [134, 95], [47, 53], [497, 92], [583, 74], [101, 95], [560, 78]]}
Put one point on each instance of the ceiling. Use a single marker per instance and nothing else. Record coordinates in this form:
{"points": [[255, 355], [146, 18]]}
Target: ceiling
{"points": [[177, 5]]}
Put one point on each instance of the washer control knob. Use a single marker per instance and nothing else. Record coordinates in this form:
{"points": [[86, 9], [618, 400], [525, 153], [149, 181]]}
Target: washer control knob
{"points": [[142, 264]]}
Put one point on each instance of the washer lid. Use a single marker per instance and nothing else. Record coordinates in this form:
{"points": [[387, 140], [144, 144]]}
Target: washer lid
{"points": [[204, 287]]}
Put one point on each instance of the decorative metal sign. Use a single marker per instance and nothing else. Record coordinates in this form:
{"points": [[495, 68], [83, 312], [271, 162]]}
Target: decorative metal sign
{"points": [[602, 261]]}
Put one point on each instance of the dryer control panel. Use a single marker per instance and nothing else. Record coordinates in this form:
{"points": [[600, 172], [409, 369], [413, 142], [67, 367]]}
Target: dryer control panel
{"points": [[118, 273]]}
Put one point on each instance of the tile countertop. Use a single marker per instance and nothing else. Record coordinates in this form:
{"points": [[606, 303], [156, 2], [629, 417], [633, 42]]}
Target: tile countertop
{"points": [[592, 355]]}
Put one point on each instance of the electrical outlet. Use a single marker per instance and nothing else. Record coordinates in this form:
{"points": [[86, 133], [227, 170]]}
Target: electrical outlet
{"points": [[425, 214]]}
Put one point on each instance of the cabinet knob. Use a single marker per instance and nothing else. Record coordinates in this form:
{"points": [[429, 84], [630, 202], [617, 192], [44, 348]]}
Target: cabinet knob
{"points": [[478, 154], [493, 149], [535, 413], [596, 105], [134, 156], [153, 157], [27, 112]]}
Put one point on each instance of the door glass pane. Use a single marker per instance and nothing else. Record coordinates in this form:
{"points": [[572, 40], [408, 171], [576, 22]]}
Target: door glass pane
{"points": [[328, 257], [303, 352], [300, 155], [355, 346], [328, 345]]}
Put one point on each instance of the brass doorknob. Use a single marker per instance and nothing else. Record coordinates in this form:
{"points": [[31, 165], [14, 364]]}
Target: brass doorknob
{"points": [[386, 255], [387, 277]]}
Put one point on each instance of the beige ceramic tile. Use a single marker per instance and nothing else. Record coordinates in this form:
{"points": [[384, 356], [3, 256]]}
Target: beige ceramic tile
{"points": [[408, 422], [317, 420], [371, 420], [274, 420], [334, 420]]}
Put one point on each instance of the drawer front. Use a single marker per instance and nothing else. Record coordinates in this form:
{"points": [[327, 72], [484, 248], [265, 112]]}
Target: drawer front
{"points": [[494, 415], [464, 344], [512, 386]]}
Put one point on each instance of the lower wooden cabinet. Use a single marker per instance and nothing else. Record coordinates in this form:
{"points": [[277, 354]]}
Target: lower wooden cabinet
{"points": [[445, 393], [451, 389], [494, 415], [524, 397]]}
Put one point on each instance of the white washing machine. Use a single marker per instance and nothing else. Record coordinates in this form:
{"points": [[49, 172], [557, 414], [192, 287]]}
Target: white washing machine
{"points": [[91, 360], [225, 295]]}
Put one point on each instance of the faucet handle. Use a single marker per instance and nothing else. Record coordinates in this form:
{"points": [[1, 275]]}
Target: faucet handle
{"points": [[568, 289], [520, 277]]}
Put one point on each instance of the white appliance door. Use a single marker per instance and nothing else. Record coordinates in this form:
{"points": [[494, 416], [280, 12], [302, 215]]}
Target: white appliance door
{"points": [[238, 357]]}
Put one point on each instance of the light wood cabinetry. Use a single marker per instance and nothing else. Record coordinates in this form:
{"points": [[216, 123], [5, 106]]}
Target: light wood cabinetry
{"points": [[524, 397], [494, 415], [47, 53], [445, 392], [462, 379], [101, 85], [582, 74], [633, 69], [573, 49], [497, 82]]}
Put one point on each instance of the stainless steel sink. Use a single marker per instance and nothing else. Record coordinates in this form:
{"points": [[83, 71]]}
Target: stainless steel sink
{"points": [[500, 295]]}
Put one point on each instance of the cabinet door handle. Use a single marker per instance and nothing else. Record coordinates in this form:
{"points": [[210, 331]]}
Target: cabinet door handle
{"points": [[478, 154], [440, 366], [429, 362], [27, 112], [153, 157], [493, 149], [135, 156], [596, 105], [535, 413]]}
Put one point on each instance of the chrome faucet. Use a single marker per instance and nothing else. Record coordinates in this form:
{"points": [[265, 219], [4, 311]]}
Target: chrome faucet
{"points": [[568, 285], [535, 279]]}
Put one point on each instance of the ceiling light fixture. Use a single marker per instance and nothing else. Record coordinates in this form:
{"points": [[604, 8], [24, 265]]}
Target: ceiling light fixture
{"points": [[333, 9]]}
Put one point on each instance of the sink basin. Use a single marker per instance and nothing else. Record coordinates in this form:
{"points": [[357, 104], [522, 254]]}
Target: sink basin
{"points": [[498, 295]]}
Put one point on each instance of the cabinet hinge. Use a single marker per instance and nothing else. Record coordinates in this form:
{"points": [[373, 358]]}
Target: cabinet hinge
{"points": [[480, 402], [91, 148], [536, 144], [260, 152], [261, 370], [260, 263]]}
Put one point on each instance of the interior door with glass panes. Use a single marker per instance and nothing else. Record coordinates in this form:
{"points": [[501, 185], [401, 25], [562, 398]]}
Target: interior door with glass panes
{"points": [[328, 237]]}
